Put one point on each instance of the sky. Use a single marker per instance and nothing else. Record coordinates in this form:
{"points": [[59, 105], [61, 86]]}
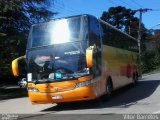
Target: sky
{"points": [[151, 19]]}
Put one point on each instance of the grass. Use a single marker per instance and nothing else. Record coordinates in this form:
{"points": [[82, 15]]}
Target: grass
{"points": [[157, 70]]}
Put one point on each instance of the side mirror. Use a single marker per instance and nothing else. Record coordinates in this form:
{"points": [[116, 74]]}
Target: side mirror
{"points": [[89, 56], [15, 65]]}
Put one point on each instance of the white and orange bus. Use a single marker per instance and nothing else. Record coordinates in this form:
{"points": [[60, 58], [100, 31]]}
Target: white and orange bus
{"points": [[78, 58]]}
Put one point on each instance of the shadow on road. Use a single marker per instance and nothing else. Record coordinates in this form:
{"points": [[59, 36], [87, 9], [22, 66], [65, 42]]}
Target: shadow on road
{"points": [[12, 92], [124, 97]]}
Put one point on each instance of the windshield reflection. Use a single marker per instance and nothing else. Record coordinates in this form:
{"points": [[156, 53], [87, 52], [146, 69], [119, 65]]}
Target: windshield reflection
{"points": [[58, 32], [57, 63]]}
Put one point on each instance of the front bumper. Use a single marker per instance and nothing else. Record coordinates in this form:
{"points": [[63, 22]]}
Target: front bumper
{"points": [[77, 94]]}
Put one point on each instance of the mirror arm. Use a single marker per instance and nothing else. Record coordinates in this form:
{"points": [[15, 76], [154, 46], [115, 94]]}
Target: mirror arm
{"points": [[15, 69]]}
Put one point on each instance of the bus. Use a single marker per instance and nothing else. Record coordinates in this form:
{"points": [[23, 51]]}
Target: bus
{"points": [[78, 58]]}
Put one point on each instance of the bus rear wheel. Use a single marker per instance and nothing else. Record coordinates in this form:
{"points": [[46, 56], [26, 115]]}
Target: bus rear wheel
{"points": [[134, 79]]}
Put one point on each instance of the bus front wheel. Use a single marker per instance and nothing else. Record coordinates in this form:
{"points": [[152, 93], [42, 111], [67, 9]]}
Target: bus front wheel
{"points": [[109, 90], [109, 87]]}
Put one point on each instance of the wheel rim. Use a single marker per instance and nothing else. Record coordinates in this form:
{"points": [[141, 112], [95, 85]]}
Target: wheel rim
{"points": [[134, 79], [109, 88]]}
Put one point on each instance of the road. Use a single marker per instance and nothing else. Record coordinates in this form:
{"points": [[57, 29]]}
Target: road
{"points": [[143, 98]]}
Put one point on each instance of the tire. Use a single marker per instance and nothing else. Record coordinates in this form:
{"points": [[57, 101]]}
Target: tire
{"points": [[109, 90], [134, 79]]}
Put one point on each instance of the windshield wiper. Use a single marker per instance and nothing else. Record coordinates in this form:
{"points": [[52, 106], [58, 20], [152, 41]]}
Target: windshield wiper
{"points": [[36, 82], [49, 80], [42, 80], [72, 76]]}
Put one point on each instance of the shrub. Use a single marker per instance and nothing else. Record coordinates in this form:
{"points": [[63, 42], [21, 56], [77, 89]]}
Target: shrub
{"points": [[150, 60]]}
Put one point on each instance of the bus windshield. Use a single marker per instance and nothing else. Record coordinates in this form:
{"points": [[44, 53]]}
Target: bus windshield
{"points": [[57, 63], [58, 31]]}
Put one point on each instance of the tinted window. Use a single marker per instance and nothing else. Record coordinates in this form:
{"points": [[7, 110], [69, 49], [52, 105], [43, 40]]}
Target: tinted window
{"points": [[67, 59], [94, 32], [117, 39], [58, 31]]}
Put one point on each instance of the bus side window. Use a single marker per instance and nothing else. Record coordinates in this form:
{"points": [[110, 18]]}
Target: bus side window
{"points": [[94, 32]]}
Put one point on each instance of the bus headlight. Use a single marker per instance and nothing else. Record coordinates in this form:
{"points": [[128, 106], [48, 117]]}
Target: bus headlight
{"points": [[82, 84], [32, 89]]}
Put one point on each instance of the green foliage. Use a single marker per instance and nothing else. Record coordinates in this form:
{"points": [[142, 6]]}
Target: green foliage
{"points": [[150, 60], [124, 19], [150, 56], [16, 17], [119, 17], [147, 63], [11, 48]]}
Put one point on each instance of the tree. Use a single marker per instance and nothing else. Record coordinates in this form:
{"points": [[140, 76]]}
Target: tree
{"points": [[123, 19], [120, 17], [16, 17]]}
